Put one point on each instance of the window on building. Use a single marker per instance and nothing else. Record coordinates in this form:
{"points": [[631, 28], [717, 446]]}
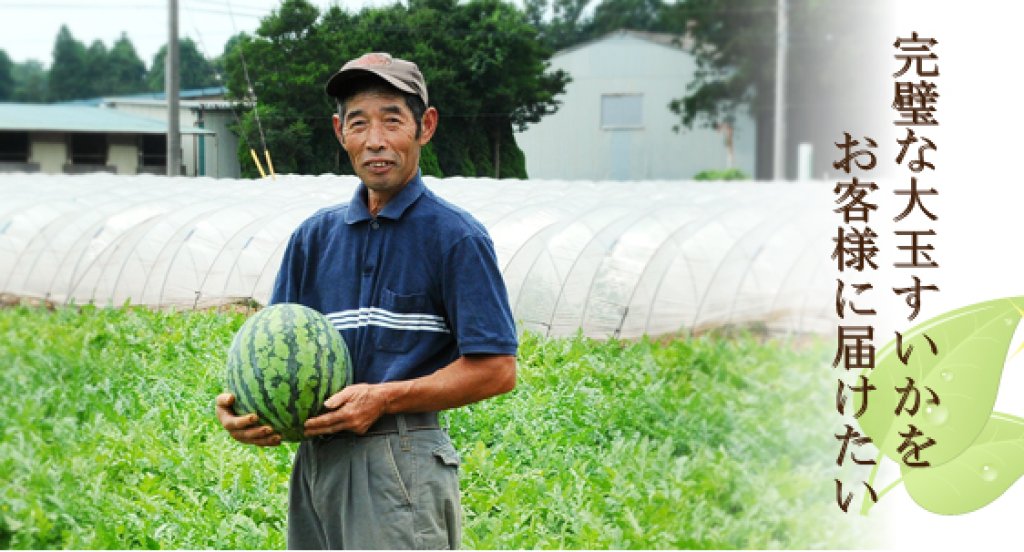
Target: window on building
{"points": [[88, 149], [153, 152], [13, 147], [622, 111]]}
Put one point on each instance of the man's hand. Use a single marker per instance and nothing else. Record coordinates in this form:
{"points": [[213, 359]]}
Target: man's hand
{"points": [[243, 428], [466, 380], [354, 409]]}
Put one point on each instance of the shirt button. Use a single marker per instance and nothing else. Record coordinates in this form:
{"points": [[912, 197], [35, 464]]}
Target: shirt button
{"points": [[375, 225]]}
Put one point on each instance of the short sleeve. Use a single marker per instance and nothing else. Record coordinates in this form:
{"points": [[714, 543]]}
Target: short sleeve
{"points": [[476, 299], [288, 284]]}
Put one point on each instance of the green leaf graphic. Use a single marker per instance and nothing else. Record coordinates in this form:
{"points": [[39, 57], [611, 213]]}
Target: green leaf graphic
{"points": [[972, 344], [975, 478]]}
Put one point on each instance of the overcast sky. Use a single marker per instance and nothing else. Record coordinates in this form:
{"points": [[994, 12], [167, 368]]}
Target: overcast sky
{"points": [[28, 28]]}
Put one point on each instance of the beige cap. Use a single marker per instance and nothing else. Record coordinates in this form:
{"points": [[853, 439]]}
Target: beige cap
{"points": [[403, 75]]}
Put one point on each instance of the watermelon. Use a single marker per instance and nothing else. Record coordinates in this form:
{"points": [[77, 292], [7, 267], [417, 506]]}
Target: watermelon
{"points": [[284, 362]]}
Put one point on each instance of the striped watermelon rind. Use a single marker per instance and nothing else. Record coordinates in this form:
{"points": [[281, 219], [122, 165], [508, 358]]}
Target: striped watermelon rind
{"points": [[284, 362]]}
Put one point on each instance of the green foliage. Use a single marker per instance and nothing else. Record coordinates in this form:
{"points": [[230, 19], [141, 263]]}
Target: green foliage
{"points": [[701, 443], [125, 72], [428, 162], [513, 160], [735, 51], [561, 22], [196, 70], [108, 440], [735, 45], [30, 80], [564, 23], [485, 68], [69, 76], [286, 144], [80, 72], [6, 77], [638, 15], [724, 174]]}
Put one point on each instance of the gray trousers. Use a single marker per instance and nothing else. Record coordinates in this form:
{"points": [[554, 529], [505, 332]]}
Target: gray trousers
{"points": [[392, 491]]}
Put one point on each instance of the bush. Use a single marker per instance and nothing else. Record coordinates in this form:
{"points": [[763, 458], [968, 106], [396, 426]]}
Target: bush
{"points": [[725, 174]]}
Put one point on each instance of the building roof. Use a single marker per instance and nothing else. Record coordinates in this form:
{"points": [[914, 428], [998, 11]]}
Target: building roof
{"points": [[80, 118], [209, 93], [679, 42], [197, 105]]}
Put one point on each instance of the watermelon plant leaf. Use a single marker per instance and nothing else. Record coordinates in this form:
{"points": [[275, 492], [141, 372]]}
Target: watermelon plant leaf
{"points": [[1017, 352], [947, 395], [975, 478]]}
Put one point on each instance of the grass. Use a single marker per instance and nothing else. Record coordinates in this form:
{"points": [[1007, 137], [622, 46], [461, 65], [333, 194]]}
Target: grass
{"points": [[108, 440]]}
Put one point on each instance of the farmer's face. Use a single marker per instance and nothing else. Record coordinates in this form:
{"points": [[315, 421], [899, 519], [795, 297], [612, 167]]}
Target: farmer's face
{"points": [[379, 133]]}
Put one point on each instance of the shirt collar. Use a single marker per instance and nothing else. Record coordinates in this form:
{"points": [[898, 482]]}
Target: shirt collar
{"points": [[359, 212]]}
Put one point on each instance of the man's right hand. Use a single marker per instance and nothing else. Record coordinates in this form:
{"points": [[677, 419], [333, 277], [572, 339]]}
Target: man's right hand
{"points": [[243, 428]]}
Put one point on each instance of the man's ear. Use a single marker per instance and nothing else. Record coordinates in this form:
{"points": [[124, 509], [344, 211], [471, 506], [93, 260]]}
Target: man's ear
{"points": [[336, 122], [428, 125]]}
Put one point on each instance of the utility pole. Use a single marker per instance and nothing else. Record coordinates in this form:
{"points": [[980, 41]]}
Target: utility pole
{"points": [[172, 84], [781, 47]]}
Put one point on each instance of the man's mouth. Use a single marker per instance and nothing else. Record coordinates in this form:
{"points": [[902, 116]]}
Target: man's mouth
{"points": [[379, 166]]}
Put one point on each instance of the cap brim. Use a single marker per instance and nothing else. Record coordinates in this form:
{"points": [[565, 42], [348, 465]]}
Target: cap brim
{"points": [[337, 83]]}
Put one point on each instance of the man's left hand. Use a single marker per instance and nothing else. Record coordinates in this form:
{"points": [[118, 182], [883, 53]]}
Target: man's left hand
{"points": [[354, 408]]}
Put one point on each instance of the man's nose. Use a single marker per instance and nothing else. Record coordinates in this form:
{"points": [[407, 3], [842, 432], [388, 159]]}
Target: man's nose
{"points": [[375, 137]]}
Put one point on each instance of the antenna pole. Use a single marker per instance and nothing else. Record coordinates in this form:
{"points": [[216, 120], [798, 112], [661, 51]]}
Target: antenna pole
{"points": [[781, 51], [172, 84]]}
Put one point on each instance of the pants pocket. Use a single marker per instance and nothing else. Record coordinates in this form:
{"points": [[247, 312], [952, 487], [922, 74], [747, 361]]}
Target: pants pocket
{"points": [[402, 466], [447, 455]]}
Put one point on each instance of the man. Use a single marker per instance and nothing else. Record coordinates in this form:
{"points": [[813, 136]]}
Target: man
{"points": [[412, 284]]}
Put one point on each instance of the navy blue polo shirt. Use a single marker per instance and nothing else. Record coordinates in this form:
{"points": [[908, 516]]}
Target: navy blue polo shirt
{"points": [[410, 290]]}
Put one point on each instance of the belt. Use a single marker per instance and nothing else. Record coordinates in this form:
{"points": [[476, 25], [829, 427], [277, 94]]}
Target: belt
{"points": [[388, 423]]}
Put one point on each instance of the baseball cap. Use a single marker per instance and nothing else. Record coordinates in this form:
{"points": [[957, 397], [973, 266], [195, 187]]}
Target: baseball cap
{"points": [[403, 75]]}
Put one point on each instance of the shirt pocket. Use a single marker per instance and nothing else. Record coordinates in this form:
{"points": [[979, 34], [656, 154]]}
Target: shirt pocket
{"points": [[401, 320]]}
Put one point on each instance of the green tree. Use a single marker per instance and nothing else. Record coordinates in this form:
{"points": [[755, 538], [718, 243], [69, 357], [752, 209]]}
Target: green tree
{"points": [[196, 70], [30, 82], [637, 15], [97, 63], [560, 22], [735, 47], [484, 65], [80, 72], [6, 77], [125, 71], [506, 71], [219, 63], [69, 76], [286, 63]]}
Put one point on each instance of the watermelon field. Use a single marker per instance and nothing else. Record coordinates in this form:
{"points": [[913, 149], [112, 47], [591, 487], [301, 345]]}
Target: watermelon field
{"points": [[108, 440]]}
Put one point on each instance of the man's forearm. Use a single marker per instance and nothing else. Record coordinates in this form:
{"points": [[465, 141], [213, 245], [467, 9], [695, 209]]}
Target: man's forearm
{"points": [[466, 380]]}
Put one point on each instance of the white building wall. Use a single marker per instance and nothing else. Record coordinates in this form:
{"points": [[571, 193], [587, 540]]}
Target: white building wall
{"points": [[571, 144], [50, 150], [123, 153], [221, 149], [219, 157], [153, 110]]}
